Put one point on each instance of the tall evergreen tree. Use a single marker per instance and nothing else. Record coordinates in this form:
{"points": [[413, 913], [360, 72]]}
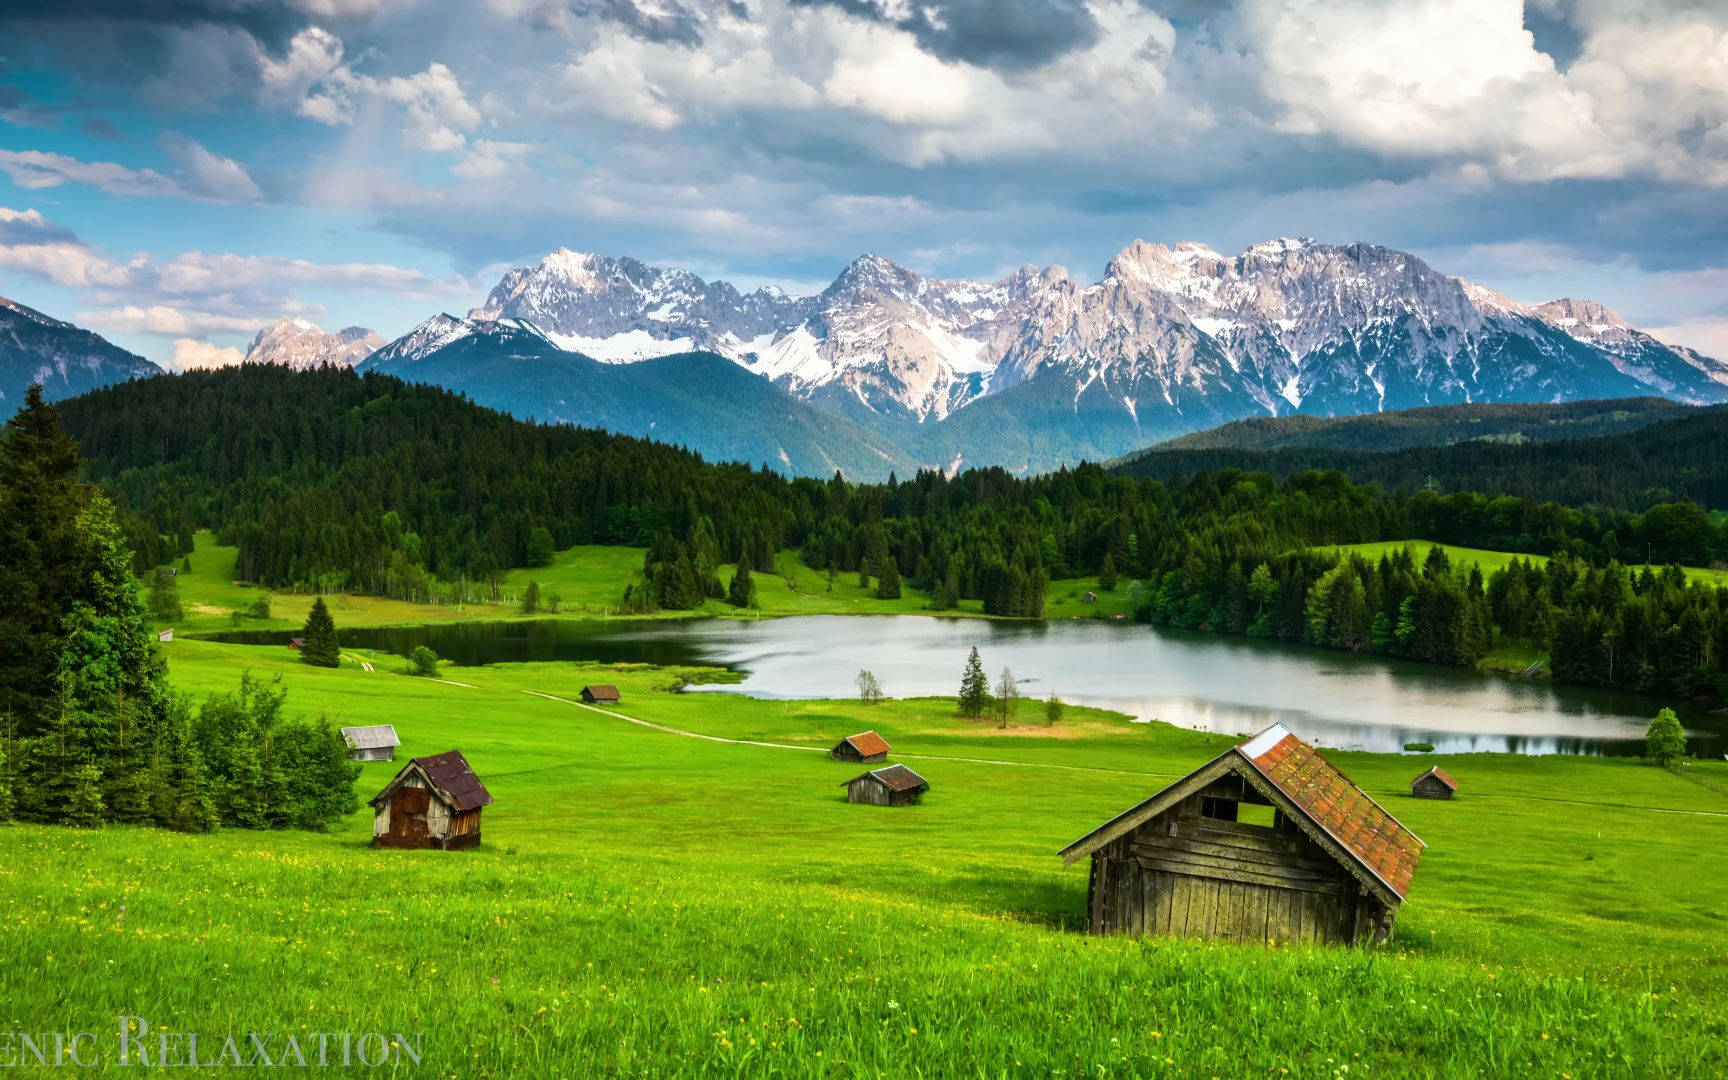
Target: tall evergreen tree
{"points": [[531, 598], [974, 688], [165, 595], [742, 592], [321, 647], [888, 584]]}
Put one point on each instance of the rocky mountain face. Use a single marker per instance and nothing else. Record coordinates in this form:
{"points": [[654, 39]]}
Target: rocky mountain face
{"points": [[66, 359], [1038, 368], [300, 344], [621, 310]]}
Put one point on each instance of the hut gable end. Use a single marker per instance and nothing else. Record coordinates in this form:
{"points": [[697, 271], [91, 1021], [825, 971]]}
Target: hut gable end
{"points": [[1267, 840]]}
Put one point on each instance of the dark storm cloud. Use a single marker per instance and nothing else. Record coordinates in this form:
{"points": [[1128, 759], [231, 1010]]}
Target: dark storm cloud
{"points": [[1006, 34]]}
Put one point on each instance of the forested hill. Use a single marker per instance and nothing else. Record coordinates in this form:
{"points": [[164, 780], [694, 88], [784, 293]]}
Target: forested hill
{"points": [[1436, 425], [1684, 458]]}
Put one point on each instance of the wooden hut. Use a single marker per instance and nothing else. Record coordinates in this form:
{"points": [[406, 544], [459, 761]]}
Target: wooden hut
{"points": [[601, 694], [296, 643], [895, 785], [865, 747], [165, 635], [434, 802], [1434, 784], [374, 742], [1266, 842], [1089, 598]]}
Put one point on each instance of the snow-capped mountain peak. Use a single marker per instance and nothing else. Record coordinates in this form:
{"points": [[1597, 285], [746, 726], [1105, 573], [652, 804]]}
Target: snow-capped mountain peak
{"points": [[299, 343]]}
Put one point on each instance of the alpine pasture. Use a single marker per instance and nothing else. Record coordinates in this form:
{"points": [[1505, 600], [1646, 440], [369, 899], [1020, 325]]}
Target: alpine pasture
{"points": [[650, 903]]}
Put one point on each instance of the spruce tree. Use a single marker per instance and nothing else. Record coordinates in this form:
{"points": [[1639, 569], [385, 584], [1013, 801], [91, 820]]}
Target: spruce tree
{"points": [[888, 584], [974, 688], [84, 810], [531, 598], [321, 647], [742, 593]]}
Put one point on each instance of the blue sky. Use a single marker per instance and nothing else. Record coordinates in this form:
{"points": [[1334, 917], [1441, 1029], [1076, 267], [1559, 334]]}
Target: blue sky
{"points": [[176, 174]]}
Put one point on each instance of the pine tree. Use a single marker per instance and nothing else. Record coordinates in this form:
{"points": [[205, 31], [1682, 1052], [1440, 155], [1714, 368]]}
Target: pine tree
{"points": [[540, 547], [742, 592], [321, 646], [888, 584], [974, 688], [531, 598], [84, 810], [1107, 575]]}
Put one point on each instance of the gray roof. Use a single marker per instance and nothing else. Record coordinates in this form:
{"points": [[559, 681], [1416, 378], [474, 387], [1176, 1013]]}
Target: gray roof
{"points": [[373, 737]]}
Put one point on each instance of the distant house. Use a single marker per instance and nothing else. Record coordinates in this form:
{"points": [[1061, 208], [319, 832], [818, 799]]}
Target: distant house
{"points": [[866, 747], [1433, 784], [434, 802], [165, 635], [1266, 842], [895, 785], [601, 694], [376, 742], [296, 643], [1089, 598]]}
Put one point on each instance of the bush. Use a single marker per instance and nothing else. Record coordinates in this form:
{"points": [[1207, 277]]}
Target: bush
{"points": [[1419, 747], [423, 662]]}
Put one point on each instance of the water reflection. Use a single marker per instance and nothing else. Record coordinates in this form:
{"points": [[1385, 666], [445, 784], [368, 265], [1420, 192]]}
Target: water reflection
{"points": [[1195, 680]]}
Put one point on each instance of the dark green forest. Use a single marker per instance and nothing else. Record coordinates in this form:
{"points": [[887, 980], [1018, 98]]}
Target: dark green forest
{"points": [[89, 730], [1681, 458], [330, 480]]}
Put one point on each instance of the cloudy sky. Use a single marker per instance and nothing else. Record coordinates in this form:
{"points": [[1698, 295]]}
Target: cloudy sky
{"points": [[175, 173]]}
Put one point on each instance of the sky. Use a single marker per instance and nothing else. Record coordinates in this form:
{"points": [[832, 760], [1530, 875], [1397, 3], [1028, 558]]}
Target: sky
{"points": [[177, 173]]}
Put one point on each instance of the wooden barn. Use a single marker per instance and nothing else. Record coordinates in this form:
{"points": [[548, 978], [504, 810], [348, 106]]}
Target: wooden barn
{"points": [[434, 802], [165, 635], [1266, 842], [865, 747], [296, 643], [1434, 784], [601, 694], [375, 742], [895, 785]]}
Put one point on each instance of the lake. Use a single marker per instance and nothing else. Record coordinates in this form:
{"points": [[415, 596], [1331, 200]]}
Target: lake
{"points": [[1204, 681]]}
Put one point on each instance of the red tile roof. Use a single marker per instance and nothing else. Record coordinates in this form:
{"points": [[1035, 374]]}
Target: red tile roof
{"points": [[1377, 839], [895, 778], [1440, 774], [868, 744]]}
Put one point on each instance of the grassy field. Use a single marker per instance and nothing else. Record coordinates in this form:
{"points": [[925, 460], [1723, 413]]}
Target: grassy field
{"points": [[589, 582], [651, 904], [1491, 561]]}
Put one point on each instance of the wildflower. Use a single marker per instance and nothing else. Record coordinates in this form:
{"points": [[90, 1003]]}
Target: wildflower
{"points": [[494, 981], [893, 1004]]}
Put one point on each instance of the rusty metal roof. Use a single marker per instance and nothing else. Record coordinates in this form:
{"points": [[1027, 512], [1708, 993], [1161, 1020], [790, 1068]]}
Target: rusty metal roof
{"points": [[371, 737], [894, 778], [1379, 841], [1439, 774], [450, 773], [603, 692], [1371, 843], [868, 744]]}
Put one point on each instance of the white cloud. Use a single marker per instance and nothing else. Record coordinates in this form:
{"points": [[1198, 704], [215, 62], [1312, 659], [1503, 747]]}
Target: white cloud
{"points": [[194, 355], [210, 175], [166, 320], [36, 170], [438, 111], [490, 159], [34, 245]]}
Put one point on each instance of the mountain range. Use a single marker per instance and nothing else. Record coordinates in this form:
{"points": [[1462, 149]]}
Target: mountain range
{"points": [[887, 369], [66, 359]]}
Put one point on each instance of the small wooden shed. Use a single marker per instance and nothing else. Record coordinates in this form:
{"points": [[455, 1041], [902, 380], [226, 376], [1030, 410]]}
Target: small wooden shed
{"points": [[1266, 842], [296, 643], [374, 742], [865, 747], [1434, 784], [601, 694], [895, 785], [434, 802], [1089, 598], [165, 635]]}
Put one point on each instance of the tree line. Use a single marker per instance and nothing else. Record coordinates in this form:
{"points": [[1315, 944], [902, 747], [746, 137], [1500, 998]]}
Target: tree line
{"points": [[89, 730]]}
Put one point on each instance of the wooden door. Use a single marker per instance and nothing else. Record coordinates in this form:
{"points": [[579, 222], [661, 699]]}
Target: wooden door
{"points": [[408, 817]]}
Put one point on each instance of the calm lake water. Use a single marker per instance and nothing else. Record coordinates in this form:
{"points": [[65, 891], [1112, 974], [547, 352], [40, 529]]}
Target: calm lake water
{"points": [[1197, 680]]}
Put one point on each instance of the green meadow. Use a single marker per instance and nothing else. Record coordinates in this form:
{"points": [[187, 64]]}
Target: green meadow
{"points": [[589, 582], [649, 903], [1491, 561]]}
